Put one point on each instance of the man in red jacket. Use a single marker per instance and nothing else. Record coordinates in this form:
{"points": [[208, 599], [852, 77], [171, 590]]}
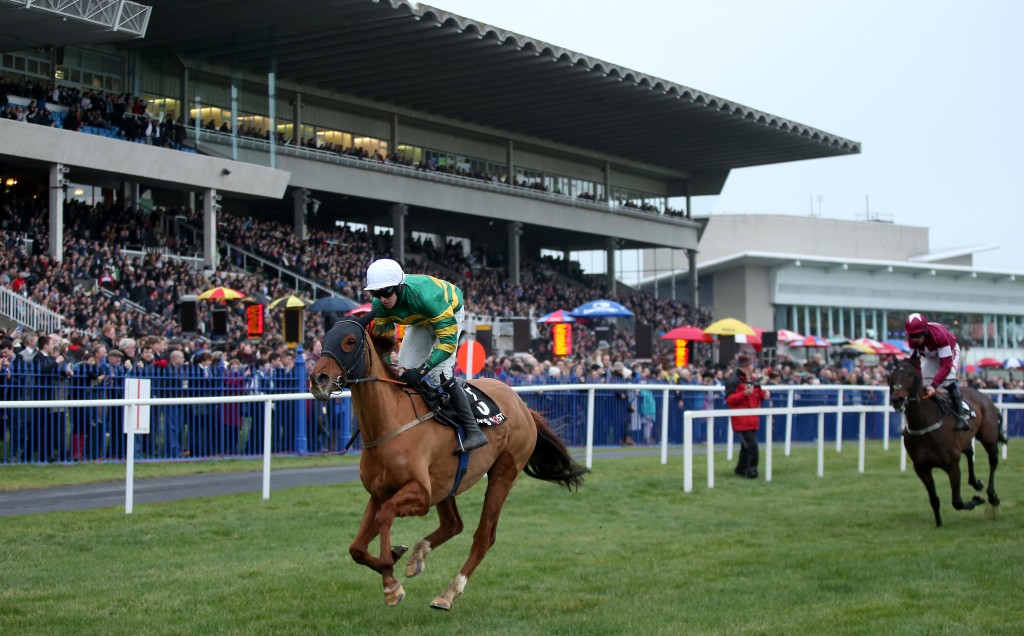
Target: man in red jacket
{"points": [[743, 392], [936, 354]]}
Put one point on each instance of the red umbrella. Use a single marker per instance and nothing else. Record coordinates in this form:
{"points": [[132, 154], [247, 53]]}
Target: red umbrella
{"points": [[754, 340], [889, 349], [811, 341], [786, 335], [874, 344], [360, 310], [693, 334], [989, 362], [559, 315]]}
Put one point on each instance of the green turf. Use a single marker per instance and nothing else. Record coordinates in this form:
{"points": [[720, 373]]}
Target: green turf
{"points": [[629, 554]]}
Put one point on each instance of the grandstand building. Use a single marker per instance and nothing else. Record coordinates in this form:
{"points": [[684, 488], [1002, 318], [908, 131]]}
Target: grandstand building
{"points": [[830, 277], [406, 119]]}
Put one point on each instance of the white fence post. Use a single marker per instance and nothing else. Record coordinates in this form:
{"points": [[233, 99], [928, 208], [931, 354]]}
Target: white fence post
{"points": [[664, 427], [821, 444], [268, 414], [590, 428]]}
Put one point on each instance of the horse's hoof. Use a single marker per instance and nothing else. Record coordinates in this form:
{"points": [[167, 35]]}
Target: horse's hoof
{"points": [[994, 500], [441, 604], [394, 596], [398, 550], [414, 567], [977, 501], [978, 485]]}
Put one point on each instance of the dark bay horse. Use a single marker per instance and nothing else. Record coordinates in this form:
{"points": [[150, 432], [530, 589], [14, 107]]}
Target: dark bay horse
{"points": [[932, 441], [407, 462]]}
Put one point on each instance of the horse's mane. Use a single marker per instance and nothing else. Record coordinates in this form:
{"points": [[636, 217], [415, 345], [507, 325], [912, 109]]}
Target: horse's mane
{"points": [[383, 345]]}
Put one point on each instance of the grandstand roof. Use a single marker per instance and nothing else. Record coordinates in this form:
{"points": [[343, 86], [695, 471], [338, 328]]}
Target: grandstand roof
{"points": [[428, 60], [36, 24]]}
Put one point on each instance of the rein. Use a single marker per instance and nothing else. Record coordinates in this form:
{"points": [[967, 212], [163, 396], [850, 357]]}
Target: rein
{"points": [[905, 428]]}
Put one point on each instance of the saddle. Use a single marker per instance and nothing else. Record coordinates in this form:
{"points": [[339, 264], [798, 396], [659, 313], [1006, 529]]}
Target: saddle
{"points": [[484, 408]]}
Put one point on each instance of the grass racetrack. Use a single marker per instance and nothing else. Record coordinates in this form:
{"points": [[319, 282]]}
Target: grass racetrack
{"points": [[629, 554]]}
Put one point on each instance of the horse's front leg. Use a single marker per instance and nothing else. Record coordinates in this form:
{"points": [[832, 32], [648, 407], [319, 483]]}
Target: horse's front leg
{"points": [[359, 549], [411, 499], [924, 473]]}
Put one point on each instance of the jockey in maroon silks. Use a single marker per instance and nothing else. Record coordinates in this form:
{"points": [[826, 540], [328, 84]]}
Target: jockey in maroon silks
{"points": [[936, 354]]}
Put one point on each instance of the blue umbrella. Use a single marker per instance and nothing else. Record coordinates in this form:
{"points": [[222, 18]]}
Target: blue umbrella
{"points": [[333, 303], [556, 316], [900, 344], [600, 309]]}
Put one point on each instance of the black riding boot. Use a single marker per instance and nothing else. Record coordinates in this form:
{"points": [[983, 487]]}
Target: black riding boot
{"points": [[958, 407], [460, 402]]}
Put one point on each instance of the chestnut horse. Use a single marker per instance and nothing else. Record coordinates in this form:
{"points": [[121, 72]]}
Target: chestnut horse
{"points": [[407, 462], [932, 441]]}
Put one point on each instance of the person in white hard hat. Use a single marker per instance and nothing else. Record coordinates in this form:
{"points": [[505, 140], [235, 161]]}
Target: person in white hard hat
{"points": [[434, 311]]}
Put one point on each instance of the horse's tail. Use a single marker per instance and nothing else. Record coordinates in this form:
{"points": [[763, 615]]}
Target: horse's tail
{"points": [[551, 460]]}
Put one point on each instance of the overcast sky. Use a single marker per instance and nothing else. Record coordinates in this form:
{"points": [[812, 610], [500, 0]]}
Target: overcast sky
{"points": [[932, 90]]}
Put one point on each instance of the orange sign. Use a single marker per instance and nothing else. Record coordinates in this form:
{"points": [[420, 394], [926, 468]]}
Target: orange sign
{"points": [[682, 353], [462, 356], [561, 336], [254, 320]]}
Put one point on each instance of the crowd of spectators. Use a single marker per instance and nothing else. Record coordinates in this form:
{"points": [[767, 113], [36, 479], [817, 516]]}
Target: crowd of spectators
{"points": [[99, 289], [120, 303], [118, 115]]}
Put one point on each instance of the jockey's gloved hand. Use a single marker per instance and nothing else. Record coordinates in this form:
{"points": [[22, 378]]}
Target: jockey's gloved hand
{"points": [[414, 377]]}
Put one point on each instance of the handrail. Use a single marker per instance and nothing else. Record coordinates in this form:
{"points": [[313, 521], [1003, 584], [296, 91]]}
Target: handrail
{"points": [[267, 263], [28, 313]]}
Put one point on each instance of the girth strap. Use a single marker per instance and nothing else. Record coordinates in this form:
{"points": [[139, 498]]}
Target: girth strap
{"points": [[395, 433], [923, 431]]}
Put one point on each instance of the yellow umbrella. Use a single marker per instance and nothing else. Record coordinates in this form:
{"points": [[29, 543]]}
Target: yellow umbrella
{"points": [[287, 302], [221, 293], [859, 346], [729, 327]]}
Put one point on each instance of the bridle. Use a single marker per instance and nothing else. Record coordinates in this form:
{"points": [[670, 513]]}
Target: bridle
{"points": [[346, 378], [903, 407], [358, 372]]}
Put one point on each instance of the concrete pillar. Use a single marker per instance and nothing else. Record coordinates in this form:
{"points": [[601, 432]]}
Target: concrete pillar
{"points": [[131, 194], [234, 120], [297, 120], [398, 213], [58, 175], [183, 98], [610, 246], [272, 112], [393, 135], [691, 255], [210, 208], [608, 182], [688, 214], [510, 162], [515, 230], [300, 197]]}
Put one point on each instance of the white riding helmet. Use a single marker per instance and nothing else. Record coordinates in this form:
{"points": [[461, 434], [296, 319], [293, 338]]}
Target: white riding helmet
{"points": [[382, 273]]}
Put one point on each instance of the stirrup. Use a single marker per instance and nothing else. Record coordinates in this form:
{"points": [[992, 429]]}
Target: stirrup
{"points": [[962, 424], [464, 447]]}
